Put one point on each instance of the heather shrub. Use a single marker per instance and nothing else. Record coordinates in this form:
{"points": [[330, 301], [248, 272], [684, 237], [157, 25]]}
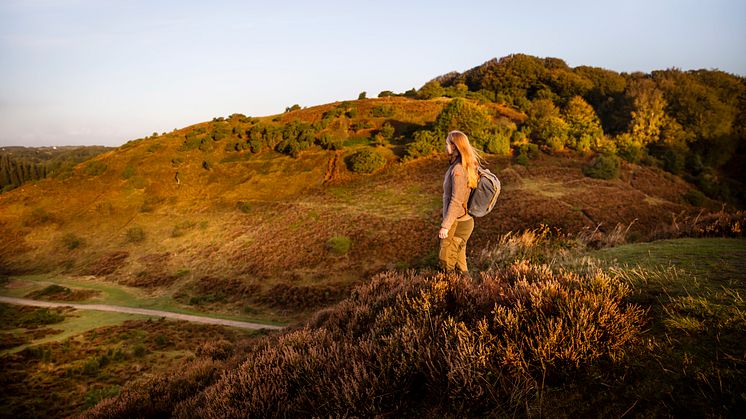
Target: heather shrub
{"points": [[483, 346], [156, 396]]}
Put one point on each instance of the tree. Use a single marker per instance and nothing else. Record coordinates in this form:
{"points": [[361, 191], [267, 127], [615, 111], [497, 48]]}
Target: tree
{"points": [[431, 90], [648, 115], [463, 115], [546, 125], [584, 127], [362, 95]]}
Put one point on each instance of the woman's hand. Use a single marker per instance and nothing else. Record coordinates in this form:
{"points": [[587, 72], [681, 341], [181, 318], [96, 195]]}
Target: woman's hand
{"points": [[443, 233]]}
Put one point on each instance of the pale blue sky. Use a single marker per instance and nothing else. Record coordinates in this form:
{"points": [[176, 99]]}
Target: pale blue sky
{"points": [[108, 71]]}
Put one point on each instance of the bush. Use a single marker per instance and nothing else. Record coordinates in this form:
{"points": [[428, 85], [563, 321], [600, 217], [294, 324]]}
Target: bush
{"points": [[527, 152], [603, 167], [128, 172], [425, 143], [329, 142], [38, 317], [339, 245], [71, 241], [498, 144], [95, 168], [135, 234], [366, 161], [694, 197], [38, 216], [485, 346], [382, 111], [244, 207]]}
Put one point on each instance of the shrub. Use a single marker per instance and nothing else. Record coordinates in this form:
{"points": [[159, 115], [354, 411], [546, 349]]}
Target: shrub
{"points": [[366, 161], [39, 317], [135, 234], [139, 350], [217, 350], [38, 216], [486, 346], [339, 245], [95, 168], [603, 167], [425, 143], [382, 111], [329, 142], [498, 144], [387, 131], [71, 241], [244, 207], [156, 396], [128, 172], [527, 152], [694, 197]]}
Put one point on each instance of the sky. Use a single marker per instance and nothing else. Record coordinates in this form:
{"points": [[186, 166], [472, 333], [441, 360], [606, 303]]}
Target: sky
{"points": [[103, 72]]}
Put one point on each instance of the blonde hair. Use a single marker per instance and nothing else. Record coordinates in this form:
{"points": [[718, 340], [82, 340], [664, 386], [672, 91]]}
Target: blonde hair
{"points": [[470, 157]]}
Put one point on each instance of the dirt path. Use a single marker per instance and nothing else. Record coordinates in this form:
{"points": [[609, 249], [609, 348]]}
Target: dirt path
{"points": [[145, 311]]}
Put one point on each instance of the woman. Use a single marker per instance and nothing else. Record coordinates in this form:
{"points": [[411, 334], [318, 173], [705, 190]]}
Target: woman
{"points": [[457, 225]]}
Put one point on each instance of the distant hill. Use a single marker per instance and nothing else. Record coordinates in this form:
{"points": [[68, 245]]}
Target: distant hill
{"points": [[288, 211]]}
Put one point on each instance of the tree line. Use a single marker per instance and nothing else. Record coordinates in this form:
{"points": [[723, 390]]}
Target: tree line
{"points": [[19, 165]]}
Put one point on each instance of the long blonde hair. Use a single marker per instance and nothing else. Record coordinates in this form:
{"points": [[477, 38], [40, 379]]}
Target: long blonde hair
{"points": [[470, 157]]}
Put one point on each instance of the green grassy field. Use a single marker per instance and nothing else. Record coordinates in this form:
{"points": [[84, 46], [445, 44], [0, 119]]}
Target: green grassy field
{"points": [[694, 363], [115, 294], [716, 259]]}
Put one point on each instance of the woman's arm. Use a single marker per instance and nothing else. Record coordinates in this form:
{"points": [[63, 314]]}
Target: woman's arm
{"points": [[456, 205]]}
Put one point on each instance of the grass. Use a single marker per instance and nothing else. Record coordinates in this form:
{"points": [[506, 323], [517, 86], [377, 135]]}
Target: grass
{"points": [[59, 379], [77, 322], [715, 259], [695, 290], [121, 295]]}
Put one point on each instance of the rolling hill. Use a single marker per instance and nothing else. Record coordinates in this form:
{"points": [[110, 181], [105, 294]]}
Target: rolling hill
{"points": [[187, 214], [313, 217]]}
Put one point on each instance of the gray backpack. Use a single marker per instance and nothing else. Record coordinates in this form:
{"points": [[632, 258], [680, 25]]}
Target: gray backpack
{"points": [[482, 198]]}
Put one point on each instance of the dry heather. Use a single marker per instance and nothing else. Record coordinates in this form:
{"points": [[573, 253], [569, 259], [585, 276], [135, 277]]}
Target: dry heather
{"points": [[411, 341]]}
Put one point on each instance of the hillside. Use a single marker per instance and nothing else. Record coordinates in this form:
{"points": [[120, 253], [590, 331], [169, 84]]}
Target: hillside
{"points": [[191, 222], [282, 214], [313, 218]]}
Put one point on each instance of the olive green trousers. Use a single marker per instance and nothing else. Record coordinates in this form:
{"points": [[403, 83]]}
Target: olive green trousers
{"points": [[453, 248]]}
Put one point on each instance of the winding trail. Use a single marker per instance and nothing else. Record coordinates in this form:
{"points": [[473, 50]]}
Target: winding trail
{"points": [[145, 311]]}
